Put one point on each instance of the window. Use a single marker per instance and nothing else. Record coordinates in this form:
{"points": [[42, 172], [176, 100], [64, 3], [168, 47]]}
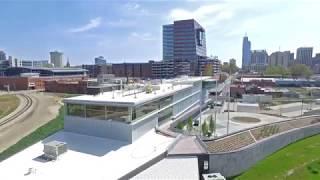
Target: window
{"points": [[165, 114], [165, 101], [76, 110], [97, 112], [145, 109], [118, 113]]}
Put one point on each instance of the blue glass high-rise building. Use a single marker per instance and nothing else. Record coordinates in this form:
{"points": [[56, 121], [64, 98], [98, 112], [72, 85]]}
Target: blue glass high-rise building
{"points": [[167, 42], [184, 40], [246, 52]]}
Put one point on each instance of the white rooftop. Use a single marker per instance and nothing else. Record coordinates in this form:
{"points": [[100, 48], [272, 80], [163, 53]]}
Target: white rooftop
{"points": [[183, 167], [87, 158], [117, 97]]}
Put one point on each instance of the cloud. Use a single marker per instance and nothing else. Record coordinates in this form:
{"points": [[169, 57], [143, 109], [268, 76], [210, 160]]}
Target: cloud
{"points": [[93, 23], [142, 36], [135, 9], [121, 23], [208, 15], [132, 6]]}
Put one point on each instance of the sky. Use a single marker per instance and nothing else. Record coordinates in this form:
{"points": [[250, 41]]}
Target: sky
{"points": [[131, 31]]}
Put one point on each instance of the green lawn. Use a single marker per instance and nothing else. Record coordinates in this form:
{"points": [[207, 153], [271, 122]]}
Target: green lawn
{"points": [[300, 160], [8, 103], [36, 136]]}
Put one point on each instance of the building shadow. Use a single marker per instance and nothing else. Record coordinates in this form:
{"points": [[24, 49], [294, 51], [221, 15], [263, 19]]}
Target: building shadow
{"points": [[86, 144]]}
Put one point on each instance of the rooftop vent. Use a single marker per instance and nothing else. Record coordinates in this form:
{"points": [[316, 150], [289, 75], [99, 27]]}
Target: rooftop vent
{"points": [[53, 149]]}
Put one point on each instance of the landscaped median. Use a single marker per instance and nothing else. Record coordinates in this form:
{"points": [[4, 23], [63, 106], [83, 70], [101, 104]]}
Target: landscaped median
{"points": [[297, 161], [36, 136]]}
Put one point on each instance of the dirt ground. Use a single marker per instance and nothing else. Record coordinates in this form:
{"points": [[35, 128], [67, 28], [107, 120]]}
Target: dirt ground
{"points": [[45, 108]]}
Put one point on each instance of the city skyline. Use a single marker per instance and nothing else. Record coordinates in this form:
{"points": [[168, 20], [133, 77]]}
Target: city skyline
{"points": [[122, 31]]}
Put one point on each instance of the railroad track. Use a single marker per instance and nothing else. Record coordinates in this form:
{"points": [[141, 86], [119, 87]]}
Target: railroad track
{"points": [[17, 114]]}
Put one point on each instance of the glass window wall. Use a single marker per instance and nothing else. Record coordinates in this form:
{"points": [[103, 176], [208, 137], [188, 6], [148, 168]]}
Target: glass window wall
{"points": [[96, 112], [76, 110], [118, 113]]}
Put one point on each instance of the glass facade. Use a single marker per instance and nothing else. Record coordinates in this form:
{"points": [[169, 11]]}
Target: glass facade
{"points": [[129, 114], [145, 109], [118, 113], [164, 115], [76, 110], [99, 112], [167, 42]]}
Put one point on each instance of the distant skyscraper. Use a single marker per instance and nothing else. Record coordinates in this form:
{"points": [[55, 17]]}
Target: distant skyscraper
{"points": [[246, 51], [304, 55], [259, 61], [280, 59], [3, 55], [167, 42], [56, 59], [259, 57], [100, 60]]}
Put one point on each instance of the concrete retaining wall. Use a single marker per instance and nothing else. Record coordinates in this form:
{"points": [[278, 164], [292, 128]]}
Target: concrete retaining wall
{"points": [[233, 163]]}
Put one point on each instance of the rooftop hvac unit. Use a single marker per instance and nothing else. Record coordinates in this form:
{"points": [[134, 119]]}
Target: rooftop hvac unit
{"points": [[213, 176], [53, 149]]}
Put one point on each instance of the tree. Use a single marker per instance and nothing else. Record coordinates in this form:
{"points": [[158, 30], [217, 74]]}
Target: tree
{"points": [[300, 70], [204, 128], [211, 124], [277, 70], [229, 67], [208, 70], [189, 124]]}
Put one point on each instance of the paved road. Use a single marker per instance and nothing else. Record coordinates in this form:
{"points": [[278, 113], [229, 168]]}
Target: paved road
{"points": [[45, 108]]}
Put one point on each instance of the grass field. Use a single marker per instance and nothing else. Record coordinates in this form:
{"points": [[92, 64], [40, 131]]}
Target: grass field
{"points": [[8, 103], [300, 160], [36, 136]]}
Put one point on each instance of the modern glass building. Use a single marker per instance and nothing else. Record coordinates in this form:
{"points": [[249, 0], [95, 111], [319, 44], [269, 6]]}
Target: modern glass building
{"points": [[246, 52], [167, 42], [184, 40], [189, 40], [127, 115]]}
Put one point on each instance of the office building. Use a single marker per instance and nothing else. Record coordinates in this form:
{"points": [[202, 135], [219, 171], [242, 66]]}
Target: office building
{"points": [[3, 56], [246, 52], [304, 55], [189, 40], [282, 59], [259, 61], [33, 63], [135, 70], [124, 115], [167, 42], [184, 40], [95, 70], [56, 58], [100, 60], [162, 69], [210, 65]]}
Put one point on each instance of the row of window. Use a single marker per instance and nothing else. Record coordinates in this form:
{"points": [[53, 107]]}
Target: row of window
{"points": [[99, 112], [115, 112]]}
